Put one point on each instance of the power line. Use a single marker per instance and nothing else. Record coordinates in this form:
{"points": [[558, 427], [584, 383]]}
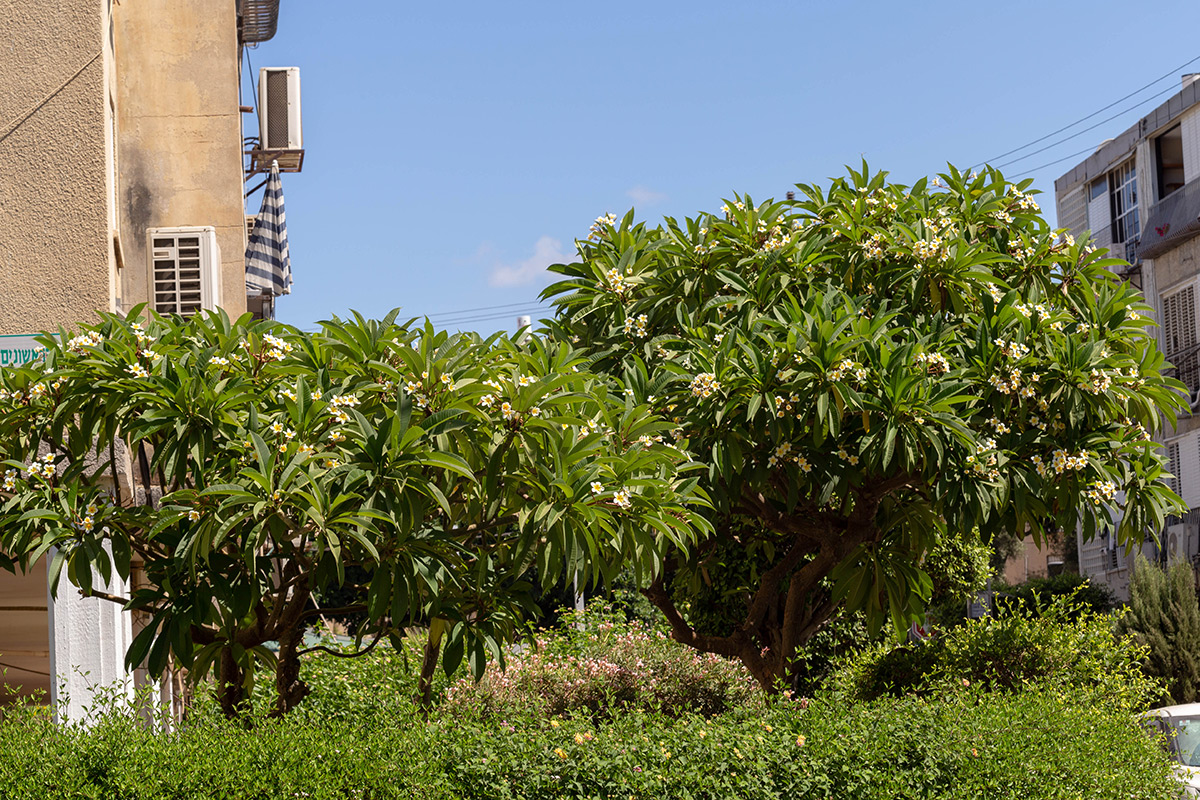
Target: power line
{"points": [[1056, 161], [1089, 116], [524, 303], [489, 317], [1085, 130], [24, 669], [23, 118]]}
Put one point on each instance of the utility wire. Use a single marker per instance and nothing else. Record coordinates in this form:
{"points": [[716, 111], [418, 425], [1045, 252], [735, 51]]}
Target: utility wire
{"points": [[1085, 130], [488, 317], [523, 304], [1055, 161], [23, 669], [23, 118], [1089, 116], [485, 317]]}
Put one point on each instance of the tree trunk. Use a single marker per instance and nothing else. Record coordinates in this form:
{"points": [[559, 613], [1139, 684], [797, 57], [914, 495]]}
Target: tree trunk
{"points": [[429, 664], [231, 688], [289, 689]]}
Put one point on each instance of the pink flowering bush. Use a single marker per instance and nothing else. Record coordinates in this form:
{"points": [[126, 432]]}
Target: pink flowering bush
{"points": [[598, 664]]}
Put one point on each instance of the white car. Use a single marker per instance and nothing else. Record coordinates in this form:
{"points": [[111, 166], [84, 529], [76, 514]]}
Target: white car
{"points": [[1180, 727]]}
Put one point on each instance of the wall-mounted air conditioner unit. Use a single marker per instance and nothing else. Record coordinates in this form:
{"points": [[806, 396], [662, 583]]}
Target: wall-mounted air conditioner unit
{"points": [[279, 108], [185, 269], [1177, 546]]}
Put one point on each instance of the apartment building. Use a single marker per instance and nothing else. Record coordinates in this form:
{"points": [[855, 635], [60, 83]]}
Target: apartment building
{"points": [[1139, 196], [123, 173]]}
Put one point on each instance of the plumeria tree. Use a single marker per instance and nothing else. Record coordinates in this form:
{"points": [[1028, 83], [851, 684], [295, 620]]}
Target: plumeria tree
{"points": [[865, 371], [268, 461]]}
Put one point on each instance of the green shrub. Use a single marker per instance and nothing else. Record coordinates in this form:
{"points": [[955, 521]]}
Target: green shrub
{"points": [[1045, 742], [1064, 646], [1165, 618], [600, 663], [360, 736], [1036, 593]]}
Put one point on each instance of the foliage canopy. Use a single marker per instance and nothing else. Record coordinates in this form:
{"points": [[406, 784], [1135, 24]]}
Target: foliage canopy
{"points": [[866, 370], [443, 467]]}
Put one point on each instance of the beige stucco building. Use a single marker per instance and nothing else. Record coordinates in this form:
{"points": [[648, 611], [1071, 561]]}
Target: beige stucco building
{"points": [[122, 179]]}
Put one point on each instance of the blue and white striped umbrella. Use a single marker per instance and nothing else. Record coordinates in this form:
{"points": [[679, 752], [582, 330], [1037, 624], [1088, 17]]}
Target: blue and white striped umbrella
{"points": [[268, 267]]}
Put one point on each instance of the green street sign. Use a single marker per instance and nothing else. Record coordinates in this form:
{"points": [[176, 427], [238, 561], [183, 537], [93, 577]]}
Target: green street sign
{"points": [[18, 349]]}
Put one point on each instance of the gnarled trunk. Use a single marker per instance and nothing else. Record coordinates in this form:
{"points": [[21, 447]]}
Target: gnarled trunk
{"points": [[289, 689], [231, 685]]}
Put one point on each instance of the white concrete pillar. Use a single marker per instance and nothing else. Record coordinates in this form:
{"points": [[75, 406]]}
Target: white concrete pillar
{"points": [[88, 640]]}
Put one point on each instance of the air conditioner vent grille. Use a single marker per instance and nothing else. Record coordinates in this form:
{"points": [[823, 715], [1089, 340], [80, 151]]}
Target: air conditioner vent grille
{"points": [[277, 134], [182, 272]]}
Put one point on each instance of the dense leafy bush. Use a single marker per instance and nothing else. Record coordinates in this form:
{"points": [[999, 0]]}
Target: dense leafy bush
{"points": [[1065, 646], [1036, 593], [359, 735], [1032, 597], [598, 664], [966, 743]]}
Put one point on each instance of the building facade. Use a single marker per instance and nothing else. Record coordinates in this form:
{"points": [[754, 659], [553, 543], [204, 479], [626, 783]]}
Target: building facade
{"points": [[1138, 195], [122, 154]]}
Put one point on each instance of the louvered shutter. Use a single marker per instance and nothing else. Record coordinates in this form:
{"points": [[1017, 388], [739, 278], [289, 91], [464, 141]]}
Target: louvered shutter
{"points": [[1179, 320]]}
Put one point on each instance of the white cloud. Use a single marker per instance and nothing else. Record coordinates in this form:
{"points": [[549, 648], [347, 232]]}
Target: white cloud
{"points": [[643, 196], [546, 251]]}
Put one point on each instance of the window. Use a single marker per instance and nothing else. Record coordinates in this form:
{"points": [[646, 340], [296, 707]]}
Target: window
{"points": [[1098, 188], [1168, 153], [1122, 199]]}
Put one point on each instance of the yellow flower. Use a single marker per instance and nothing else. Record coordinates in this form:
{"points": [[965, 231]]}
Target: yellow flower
{"points": [[558, 751], [553, 723], [579, 738], [800, 741]]}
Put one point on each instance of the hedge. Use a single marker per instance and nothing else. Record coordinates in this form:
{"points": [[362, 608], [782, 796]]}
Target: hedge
{"points": [[1043, 742]]}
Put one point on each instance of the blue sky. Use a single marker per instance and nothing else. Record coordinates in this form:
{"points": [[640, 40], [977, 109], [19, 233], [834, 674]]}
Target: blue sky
{"points": [[454, 149]]}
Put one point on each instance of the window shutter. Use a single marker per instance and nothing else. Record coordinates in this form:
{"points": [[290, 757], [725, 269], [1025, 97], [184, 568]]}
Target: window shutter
{"points": [[1179, 320], [1073, 211]]}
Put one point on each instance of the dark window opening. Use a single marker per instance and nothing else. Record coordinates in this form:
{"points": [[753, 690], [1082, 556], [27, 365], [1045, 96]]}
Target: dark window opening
{"points": [[1168, 152]]}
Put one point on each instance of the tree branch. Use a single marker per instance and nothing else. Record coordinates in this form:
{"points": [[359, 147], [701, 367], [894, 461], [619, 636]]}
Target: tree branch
{"points": [[112, 598], [362, 652], [731, 646]]}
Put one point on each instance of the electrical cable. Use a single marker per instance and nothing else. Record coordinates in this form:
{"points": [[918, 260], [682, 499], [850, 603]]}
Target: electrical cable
{"points": [[489, 317], [1085, 130], [22, 119], [1089, 116], [523, 303], [497, 315], [1055, 161], [23, 669]]}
